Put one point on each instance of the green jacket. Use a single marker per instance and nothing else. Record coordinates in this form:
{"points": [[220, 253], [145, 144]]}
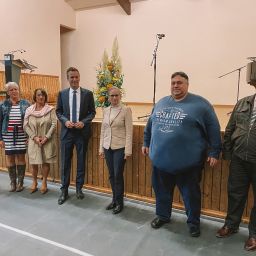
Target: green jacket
{"points": [[239, 137]]}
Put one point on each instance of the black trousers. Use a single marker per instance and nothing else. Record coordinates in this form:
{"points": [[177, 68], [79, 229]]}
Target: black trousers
{"points": [[241, 175], [71, 140], [115, 162], [189, 186]]}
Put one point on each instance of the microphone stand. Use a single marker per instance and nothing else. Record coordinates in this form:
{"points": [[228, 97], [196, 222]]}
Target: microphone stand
{"points": [[238, 81], [158, 38]]}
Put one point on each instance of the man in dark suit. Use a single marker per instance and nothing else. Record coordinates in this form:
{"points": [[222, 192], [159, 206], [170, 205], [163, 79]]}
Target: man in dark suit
{"points": [[75, 110]]}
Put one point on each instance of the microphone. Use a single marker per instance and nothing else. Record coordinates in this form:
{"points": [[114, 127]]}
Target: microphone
{"points": [[160, 36], [19, 50], [253, 59]]}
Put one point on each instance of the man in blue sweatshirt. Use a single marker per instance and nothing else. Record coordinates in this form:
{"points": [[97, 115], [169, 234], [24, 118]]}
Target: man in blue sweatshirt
{"points": [[182, 132]]}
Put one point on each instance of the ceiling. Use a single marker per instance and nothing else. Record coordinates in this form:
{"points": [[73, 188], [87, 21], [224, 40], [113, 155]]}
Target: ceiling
{"points": [[89, 4]]}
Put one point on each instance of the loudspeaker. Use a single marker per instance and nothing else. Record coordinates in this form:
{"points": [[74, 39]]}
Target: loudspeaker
{"points": [[12, 69], [251, 73]]}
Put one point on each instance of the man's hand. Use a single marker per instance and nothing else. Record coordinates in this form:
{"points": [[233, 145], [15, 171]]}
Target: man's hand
{"points": [[102, 155], [79, 125], [69, 124], [212, 161], [145, 150]]}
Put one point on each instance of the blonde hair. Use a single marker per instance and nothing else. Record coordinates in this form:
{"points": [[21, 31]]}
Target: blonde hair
{"points": [[9, 84]]}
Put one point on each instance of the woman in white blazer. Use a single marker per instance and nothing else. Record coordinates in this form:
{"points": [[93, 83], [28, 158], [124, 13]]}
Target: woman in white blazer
{"points": [[116, 145]]}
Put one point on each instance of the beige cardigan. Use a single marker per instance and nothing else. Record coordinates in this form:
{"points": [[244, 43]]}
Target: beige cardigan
{"points": [[118, 133], [46, 128]]}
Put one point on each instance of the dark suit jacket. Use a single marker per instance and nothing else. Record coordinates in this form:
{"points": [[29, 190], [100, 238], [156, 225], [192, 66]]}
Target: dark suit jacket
{"points": [[87, 110]]}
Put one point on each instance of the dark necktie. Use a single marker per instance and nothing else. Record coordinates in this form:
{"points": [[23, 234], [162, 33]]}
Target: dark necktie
{"points": [[74, 117]]}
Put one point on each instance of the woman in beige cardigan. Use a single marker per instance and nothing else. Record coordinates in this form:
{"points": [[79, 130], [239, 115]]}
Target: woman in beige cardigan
{"points": [[116, 145], [40, 126]]}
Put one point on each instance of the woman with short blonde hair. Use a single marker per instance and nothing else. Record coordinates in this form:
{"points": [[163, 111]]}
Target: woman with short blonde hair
{"points": [[116, 145]]}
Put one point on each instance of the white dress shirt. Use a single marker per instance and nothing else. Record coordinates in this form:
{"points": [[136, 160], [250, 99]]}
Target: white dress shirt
{"points": [[78, 100]]}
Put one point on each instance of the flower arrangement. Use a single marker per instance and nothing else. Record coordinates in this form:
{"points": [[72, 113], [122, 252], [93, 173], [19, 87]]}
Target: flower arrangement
{"points": [[109, 73]]}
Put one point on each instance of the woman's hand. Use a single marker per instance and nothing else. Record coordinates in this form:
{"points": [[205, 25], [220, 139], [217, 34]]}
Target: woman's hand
{"points": [[37, 140], [102, 155], [43, 140], [126, 156], [1, 144]]}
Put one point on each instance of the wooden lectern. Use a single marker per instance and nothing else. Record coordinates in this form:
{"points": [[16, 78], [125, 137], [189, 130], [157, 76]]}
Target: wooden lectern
{"points": [[13, 68]]}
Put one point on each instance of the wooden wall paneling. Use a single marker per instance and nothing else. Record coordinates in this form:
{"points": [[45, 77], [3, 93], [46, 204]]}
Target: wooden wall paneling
{"points": [[100, 160], [57, 170], [2, 157], [224, 183], [202, 187], [245, 212], [216, 187], [89, 164], [51, 172], [106, 175], [128, 175], [2, 81], [249, 204], [101, 171], [95, 156], [142, 165], [135, 161], [207, 187], [73, 167], [148, 185], [177, 197]]}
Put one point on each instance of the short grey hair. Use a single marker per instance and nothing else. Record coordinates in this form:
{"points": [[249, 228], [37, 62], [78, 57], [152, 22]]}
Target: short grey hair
{"points": [[9, 84]]}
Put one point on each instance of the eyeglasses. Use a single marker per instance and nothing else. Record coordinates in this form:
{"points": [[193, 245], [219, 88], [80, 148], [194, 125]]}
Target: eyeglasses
{"points": [[114, 95]]}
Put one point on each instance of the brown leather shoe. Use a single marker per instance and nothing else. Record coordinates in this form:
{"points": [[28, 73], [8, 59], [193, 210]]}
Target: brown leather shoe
{"points": [[250, 244], [226, 231]]}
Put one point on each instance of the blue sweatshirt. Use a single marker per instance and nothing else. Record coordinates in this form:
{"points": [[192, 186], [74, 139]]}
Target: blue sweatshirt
{"points": [[181, 134]]}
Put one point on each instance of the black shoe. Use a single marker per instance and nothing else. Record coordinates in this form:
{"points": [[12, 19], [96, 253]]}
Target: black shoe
{"points": [[194, 231], [117, 209], [111, 206], [63, 197], [79, 194], [158, 223]]}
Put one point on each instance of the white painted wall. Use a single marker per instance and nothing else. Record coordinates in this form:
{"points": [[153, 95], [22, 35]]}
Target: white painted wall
{"points": [[34, 25], [204, 38]]}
